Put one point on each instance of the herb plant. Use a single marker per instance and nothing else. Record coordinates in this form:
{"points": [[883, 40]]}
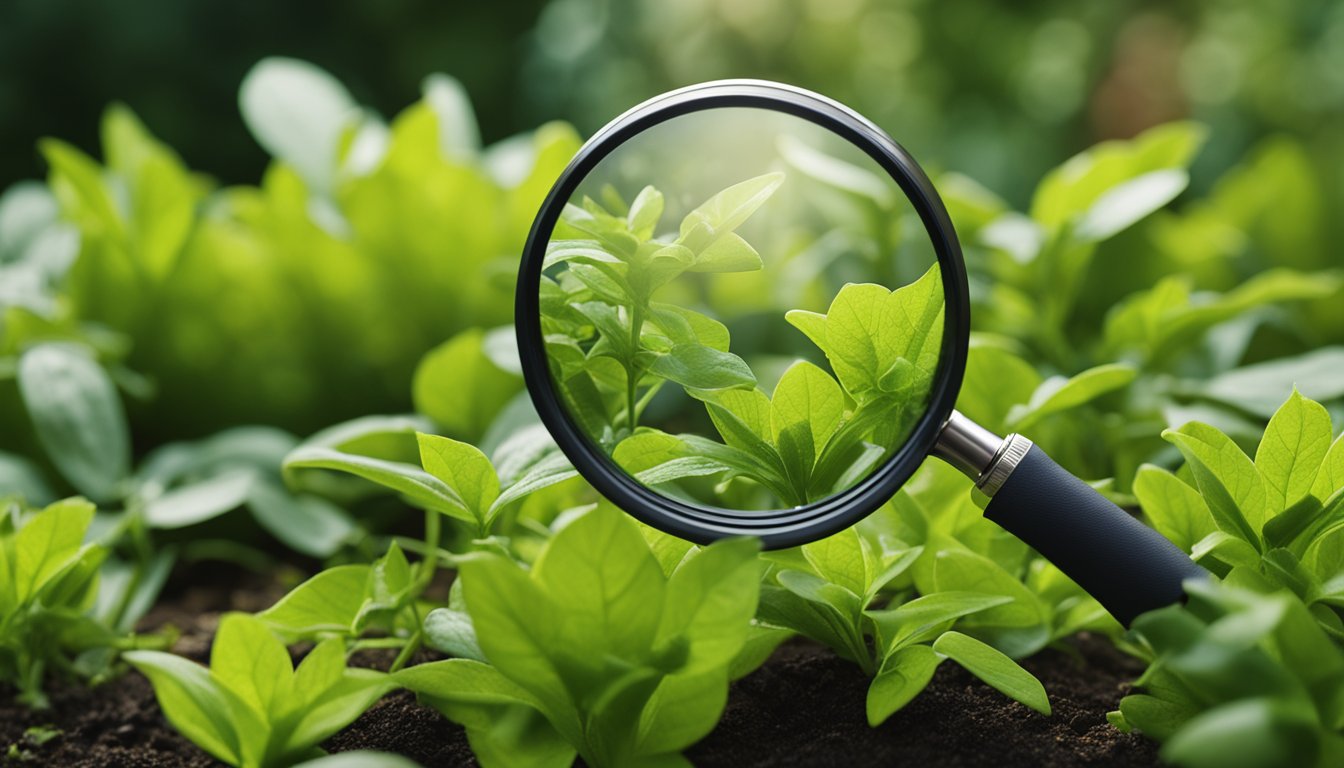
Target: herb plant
{"points": [[48, 583], [253, 708], [1239, 678], [611, 345], [829, 590], [596, 650]]}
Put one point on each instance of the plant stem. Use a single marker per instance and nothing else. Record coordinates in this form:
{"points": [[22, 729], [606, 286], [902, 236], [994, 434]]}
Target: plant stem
{"points": [[631, 372], [430, 559]]}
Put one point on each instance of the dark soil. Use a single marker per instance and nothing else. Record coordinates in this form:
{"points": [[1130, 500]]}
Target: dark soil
{"points": [[802, 708]]}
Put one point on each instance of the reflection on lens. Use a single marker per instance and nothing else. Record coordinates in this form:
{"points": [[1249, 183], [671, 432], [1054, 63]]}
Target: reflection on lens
{"points": [[742, 310]]}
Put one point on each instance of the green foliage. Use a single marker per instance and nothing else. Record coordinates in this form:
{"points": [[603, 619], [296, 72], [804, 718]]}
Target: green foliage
{"points": [[815, 436], [48, 583], [611, 346], [1239, 679], [252, 707], [827, 591], [598, 649], [1280, 516]]}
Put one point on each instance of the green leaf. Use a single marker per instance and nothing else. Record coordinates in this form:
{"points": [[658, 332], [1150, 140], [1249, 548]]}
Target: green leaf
{"points": [[463, 468], [201, 501], [1330, 475], [1292, 449], [710, 599], [840, 559], [610, 585], [327, 602], [460, 387], [450, 631], [683, 710], [1258, 731], [47, 544], [518, 626], [1230, 482], [1259, 388], [700, 367], [1058, 394], [727, 210], [1125, 204], [250, 661], [996, 669], [1082, 185], [904, 674], [305, 523], [417, 486], [337, 707], [459, 138], [298, 113], [196, 705], [1175, 509], [77, 416], [913, 621], [729, 253], [805, 410], [359, 758]]}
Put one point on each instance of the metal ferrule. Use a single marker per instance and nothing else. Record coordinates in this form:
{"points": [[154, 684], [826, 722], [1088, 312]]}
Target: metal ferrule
{"points": [[980, 454]]}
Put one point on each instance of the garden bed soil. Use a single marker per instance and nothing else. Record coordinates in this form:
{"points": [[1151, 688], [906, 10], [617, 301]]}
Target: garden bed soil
{"points": [[804, 707]]}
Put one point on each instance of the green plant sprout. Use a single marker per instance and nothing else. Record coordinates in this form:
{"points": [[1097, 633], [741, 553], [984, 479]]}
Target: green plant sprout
{"points": [[829, 589], [596, 650], [611, 345], [1279, 516], [253, 708]]}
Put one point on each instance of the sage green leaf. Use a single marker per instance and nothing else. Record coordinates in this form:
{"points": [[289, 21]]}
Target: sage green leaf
{"points": [[1226, 548], [463, 468], [359, 758], [552, 469], [1175, 509], [700, 367], [1057, 394], [450, 631], [77, 416], [298, 113], [1292, 449], [996, 669], [1125, 204], [1230, 482], [458, 385], [305, 523], [201, 501], [1259, 388], [837, 173], [459, 138], [645, 212], [904, 674]]}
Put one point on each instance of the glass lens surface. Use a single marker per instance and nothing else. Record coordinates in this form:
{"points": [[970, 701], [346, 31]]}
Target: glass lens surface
{"points": [[742, 309]]}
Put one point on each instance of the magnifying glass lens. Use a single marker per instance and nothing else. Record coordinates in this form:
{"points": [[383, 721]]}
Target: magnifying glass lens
{"points": [[742, 310]]}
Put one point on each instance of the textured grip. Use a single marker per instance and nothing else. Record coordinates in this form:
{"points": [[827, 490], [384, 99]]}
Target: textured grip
{"points": [[1127, 566]]}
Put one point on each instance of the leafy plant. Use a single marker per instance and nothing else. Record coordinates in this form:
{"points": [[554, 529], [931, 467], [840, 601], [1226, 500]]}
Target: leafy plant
{"points": [[829, 590], [611, 346], [1239, 678], [253, 707], [48, 583], [597, 649], [812, 437], [1280, 516]]}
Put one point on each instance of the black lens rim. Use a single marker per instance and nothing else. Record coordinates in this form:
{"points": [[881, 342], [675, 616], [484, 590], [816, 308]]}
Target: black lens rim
{"points": [[776, 528]]}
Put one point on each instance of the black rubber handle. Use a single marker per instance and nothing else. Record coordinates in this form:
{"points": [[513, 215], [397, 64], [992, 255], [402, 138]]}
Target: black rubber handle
{"points": [[1127, 566]]}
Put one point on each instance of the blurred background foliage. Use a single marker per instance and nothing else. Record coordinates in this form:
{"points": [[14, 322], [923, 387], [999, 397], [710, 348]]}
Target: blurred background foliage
{"points": [[301, 292]]}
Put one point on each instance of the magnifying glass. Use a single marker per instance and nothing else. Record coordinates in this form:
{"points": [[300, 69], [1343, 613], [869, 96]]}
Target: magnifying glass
{"points": [[743, 310]]}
